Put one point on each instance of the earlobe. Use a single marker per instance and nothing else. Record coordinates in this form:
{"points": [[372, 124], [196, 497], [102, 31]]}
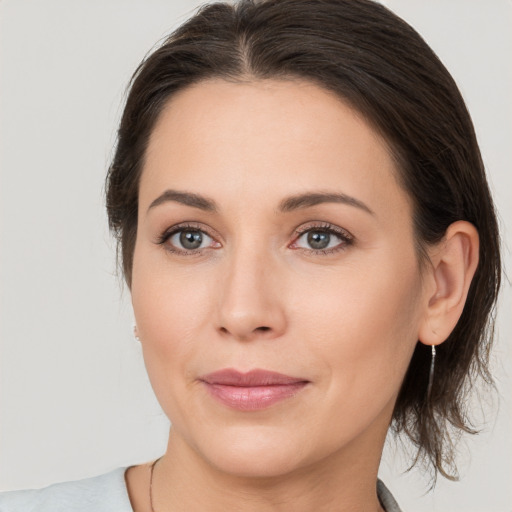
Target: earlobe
{"points": [[454, 262]]}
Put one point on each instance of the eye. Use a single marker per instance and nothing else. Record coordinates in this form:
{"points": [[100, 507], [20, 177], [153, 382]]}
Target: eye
{"points": [[186, 240], [190, 240], [318, 240], [324, 239]]}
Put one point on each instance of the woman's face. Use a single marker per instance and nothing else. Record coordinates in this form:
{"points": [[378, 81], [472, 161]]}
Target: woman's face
{"points": [[273, 236]]}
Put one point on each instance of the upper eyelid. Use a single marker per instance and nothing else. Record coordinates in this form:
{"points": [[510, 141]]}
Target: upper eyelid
{"points": [[190, 226], [326, 226], [163, 237]]}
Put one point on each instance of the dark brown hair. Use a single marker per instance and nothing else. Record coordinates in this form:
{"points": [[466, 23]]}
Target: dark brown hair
{"points": [[379, 65]]}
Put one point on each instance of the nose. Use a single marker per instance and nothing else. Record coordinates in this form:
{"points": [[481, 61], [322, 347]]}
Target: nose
{"points": [[250, 300]]}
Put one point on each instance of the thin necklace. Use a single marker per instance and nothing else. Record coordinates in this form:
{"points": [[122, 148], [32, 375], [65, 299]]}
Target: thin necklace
{"points": [[151, 484]]}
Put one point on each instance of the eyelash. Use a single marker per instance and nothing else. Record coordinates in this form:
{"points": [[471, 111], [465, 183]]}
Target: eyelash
{"points": [[166, 235], [346, 238]]}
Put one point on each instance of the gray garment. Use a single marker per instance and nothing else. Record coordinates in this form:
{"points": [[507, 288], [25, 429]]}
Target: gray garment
{"points": [[386, 499], [104, 493]]}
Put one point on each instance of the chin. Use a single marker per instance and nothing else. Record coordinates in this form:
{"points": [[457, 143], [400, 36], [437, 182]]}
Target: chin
{"points": [[254, 452]]}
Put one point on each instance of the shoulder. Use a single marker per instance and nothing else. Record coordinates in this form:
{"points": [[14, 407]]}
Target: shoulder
{"points": [[104, 493], [386, 499]]}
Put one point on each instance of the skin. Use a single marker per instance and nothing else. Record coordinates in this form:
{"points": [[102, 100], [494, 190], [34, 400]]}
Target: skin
{"points": [[257, 295]]}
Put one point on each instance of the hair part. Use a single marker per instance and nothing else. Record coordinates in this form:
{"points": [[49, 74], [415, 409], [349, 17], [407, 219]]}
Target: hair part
{"points": [[382, 68]]}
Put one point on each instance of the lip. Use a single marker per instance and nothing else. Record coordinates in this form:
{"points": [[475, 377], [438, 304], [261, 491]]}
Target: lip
{"points": [[251, 391]]}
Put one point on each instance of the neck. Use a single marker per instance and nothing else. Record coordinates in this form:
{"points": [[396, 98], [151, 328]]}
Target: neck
{"points": [[344, 481]]}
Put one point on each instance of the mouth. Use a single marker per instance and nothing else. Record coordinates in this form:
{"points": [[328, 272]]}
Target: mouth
{"points": [[251, 391]]}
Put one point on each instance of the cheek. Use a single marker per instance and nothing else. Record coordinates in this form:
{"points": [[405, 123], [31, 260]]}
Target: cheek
{"points": [[364, 328], [168, 299], [170, 308]]}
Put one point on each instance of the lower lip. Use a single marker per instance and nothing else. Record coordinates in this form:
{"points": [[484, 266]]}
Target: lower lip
{"points": [[253, 398]]}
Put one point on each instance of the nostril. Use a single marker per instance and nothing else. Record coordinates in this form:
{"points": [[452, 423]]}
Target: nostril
{"points": [[246, 332]]}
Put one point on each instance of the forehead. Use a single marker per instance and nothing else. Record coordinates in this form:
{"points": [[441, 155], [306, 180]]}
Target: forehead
{"points": [[270, 137]]}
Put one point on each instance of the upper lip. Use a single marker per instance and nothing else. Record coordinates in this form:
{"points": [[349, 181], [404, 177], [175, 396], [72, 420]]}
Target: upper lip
{"points": [[253, 378]]}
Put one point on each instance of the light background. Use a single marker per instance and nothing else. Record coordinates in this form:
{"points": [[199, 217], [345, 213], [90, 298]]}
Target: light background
{"points": [[74, 397]]}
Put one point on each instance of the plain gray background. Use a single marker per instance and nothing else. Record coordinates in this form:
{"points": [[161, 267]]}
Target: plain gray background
{"points": [[74, 397]]}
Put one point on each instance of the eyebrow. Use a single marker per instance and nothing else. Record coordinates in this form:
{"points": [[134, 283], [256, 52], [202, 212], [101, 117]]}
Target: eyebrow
{"points": [[289, 204], [315, 198], [186, 198]]}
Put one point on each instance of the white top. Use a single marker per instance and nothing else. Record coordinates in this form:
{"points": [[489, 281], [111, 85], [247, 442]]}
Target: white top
{"points": [[104, 493]]}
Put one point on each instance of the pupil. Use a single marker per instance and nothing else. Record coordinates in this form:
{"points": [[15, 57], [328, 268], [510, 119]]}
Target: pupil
{"points": [[318, 240], [191, 239]]}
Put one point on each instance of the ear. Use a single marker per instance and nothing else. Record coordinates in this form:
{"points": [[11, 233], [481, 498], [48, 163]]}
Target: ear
{"points": [[453, 264]]}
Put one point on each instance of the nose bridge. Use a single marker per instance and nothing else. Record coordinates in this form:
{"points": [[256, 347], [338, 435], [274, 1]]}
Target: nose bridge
{"points": [[249, 300]]}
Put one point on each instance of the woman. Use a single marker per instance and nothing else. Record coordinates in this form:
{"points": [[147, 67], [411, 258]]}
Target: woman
{"points": [[312, 253]]}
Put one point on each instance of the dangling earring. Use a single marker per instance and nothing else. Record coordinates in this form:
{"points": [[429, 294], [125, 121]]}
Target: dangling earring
{"points": [[431, 374], [135, 333]]}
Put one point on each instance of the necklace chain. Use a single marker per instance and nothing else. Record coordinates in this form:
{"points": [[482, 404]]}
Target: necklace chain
{"points": [[151, 484]]}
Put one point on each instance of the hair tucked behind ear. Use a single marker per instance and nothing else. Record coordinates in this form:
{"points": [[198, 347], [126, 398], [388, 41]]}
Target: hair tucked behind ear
{"points": [[379, 65]]}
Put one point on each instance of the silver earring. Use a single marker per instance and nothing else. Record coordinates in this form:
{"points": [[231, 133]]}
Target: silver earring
{"points": [[135, 333], [431, 374]]}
